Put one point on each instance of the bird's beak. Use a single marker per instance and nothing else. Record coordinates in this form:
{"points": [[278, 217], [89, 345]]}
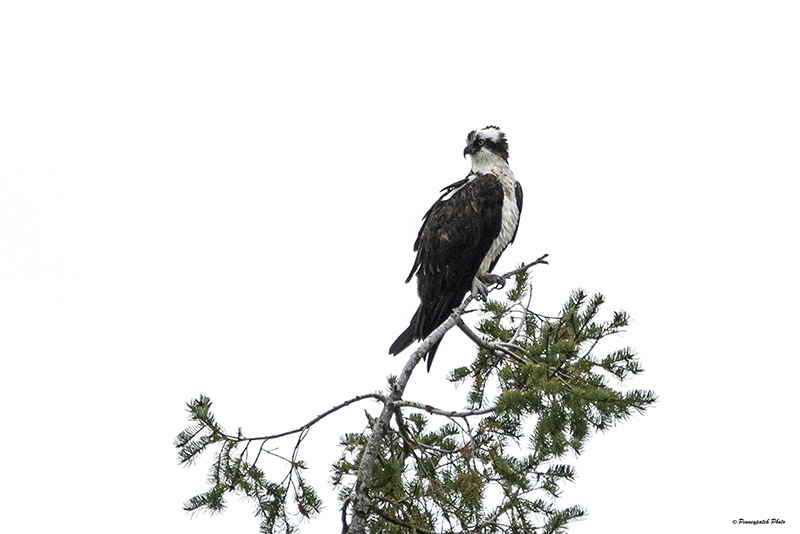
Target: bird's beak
{"points": [[470, 149]]}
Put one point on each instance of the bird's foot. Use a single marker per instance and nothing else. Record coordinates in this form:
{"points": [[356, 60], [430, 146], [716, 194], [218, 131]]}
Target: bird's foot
{"points": [[479, 291], [481, 285], [492, 279]]}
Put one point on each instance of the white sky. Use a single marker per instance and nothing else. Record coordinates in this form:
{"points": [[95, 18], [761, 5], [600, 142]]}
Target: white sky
{"points": [[221, 198]]}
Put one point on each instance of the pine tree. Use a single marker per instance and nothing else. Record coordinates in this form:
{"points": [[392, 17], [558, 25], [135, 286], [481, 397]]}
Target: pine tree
{"points": [[537, 391]]}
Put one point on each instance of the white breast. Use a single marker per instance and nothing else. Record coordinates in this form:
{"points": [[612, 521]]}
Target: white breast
{"points": [[507, 229]]}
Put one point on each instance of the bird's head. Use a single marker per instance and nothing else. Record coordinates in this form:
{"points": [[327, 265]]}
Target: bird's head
{"points": [[486, 146]]}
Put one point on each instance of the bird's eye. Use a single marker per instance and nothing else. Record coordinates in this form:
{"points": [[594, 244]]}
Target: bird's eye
{"points": [[480, 142]]}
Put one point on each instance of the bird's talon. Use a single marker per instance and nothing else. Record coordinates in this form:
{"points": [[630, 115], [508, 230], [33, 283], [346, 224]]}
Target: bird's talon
{"points": [[492, 279]]}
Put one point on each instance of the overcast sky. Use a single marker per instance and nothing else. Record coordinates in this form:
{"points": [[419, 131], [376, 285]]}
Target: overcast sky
{"points": [[222, 198]]}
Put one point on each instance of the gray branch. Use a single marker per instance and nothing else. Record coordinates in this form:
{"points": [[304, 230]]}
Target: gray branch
{"points": [[446, 413], [493, 347], [317, 419], [361, 500]]}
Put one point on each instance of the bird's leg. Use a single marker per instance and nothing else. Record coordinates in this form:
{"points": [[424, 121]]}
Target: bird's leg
{"points": [[479, 291], [481, 285]]}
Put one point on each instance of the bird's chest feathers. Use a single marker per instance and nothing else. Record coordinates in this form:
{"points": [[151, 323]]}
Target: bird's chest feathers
{"points": [[508, 226]]}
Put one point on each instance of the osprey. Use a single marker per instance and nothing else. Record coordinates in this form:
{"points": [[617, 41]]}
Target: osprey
{"points": [[463, 235]]}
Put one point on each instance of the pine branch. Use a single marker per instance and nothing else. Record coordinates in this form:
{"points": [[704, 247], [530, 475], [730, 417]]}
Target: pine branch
{"points": [[232, 472], [419, 477], [308, 425]]}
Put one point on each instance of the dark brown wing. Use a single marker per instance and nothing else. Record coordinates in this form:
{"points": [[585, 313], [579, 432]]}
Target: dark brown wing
{"points": [[454, 239], [446, 193], [456, 234]]}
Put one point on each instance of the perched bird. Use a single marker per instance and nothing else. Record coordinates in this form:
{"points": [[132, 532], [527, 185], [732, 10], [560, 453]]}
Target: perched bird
{"points": [[463, 235]]}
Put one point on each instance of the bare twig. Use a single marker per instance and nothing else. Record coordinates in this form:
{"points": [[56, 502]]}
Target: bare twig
{"points": [[347, 501], [542, 260], [311, 423], [446, 413]]}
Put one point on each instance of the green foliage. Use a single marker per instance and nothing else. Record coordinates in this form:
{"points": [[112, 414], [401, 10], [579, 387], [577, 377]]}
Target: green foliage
{"points": [[545, 390], [232, 471], [537, 391]]}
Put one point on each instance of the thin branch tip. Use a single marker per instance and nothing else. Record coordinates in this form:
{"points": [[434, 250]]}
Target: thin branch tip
{"points": [[541, 260]]}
